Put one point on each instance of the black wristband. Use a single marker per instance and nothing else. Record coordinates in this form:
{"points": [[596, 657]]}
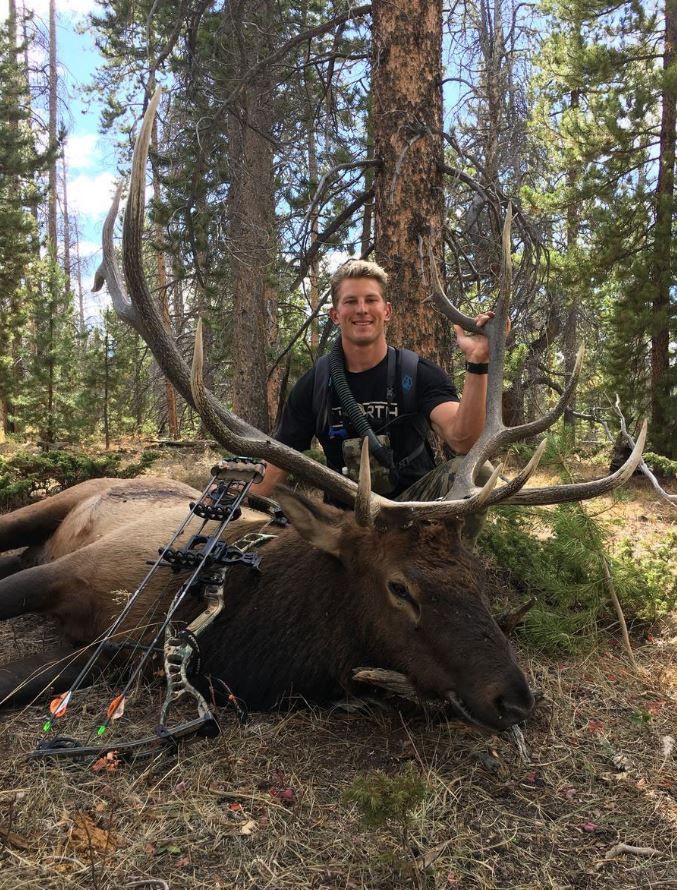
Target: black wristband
{"points": [[477, 367]]}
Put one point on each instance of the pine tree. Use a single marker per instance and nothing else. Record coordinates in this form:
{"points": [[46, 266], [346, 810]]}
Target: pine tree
{"points": [[20, 163], [607, 57]]}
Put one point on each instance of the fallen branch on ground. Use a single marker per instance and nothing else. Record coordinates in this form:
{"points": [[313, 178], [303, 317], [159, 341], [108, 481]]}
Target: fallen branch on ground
{"points": [[628, 848], [611, 590]]}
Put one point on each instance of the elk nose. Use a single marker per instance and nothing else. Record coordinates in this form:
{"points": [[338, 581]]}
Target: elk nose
{"points": [[514, 706]]}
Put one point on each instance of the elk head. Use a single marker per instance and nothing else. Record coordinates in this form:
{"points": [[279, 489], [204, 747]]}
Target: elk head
{"points": [[418, 605]]}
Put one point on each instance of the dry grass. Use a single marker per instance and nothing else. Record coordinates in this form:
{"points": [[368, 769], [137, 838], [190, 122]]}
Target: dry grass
{"points": [[599, 773], [185, 465], [262, 805]]}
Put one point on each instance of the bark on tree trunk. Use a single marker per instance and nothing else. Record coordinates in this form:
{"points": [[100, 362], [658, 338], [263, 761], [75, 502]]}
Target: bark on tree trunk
{"points": [[81, 296], [67, 269], [170, 394], [106, 391], [314, 270], [49, 433], [6, 425], [366, 235], [252, 218], [571, 320], [663, 416], [492, 127], [409, 202]]}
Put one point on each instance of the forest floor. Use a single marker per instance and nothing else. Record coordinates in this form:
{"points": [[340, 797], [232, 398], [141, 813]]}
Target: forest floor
{"points": [[263, 806]]}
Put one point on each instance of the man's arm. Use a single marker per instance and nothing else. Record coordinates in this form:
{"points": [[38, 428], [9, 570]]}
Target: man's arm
{"points": [[296, 429], [460, 424]]}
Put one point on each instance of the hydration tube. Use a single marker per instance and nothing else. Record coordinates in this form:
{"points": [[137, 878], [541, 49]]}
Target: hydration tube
{"points": [[357, 418]]}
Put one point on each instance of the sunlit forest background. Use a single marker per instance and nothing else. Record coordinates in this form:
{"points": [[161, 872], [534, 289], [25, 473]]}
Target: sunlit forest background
{"points": [[284, 146]]}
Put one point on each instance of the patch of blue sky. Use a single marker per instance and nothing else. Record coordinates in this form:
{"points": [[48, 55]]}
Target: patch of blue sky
{"points": [[90, 156]]}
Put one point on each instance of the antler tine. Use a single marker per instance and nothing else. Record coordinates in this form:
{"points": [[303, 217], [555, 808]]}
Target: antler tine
{"points": [[363, 501], [515, 433], [388, 514], [465, 496], [443, 302], [154, 330], [580, 491], [393, 513], [490, 439], [263, 447], [109, 272], [516, 484]]}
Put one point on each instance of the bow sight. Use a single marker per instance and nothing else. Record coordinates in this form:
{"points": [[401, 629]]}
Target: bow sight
{"points": [[207, 557]]}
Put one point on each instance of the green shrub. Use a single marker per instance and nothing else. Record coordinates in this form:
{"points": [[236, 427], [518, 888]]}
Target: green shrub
{"points": [[661, 466], [562, 567], [382, 800], [387, 802], [558, 445], [647, 582], [25, 473]]}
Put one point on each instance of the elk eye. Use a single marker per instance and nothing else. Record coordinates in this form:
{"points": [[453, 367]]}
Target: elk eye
{"points": [[399, 590]]}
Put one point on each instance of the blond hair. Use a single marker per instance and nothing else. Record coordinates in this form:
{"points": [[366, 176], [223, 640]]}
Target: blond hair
{"points": [[358, 269]]}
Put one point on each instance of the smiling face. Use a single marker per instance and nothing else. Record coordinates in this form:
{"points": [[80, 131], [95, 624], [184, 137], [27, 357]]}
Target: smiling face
{"points": [[361, 311]]}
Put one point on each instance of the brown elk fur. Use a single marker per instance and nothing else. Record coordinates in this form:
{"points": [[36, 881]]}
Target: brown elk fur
{"points": [[331, 596]]}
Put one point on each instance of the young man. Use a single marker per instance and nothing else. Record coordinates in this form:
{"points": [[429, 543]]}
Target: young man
{"points": [[362, 312]]}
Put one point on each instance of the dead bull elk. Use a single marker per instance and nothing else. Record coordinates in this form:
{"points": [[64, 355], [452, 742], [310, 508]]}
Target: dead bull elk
{"points": [[388, 585]]}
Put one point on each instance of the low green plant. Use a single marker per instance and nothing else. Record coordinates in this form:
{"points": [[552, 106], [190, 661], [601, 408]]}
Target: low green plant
{"points": [[25, 473], [558, 446], [661, 465], [556, 555], [646, 581], [388, 802]]}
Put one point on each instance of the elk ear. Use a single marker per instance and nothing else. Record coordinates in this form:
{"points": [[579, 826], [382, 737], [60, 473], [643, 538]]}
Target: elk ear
{"points": [[316, 523]]}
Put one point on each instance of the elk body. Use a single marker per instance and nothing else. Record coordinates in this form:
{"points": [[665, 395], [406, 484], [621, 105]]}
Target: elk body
{"points": [[331, 596]]}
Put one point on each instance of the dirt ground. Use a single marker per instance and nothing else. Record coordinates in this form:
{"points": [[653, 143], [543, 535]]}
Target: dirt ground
{"points": [[263, 807]]}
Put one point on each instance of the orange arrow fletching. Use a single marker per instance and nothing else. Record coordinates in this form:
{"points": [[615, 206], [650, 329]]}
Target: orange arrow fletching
{"points": [[116, 708], [58, 705]]}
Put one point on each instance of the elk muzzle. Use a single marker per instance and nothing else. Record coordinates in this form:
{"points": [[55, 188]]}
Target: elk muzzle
{"points": [[497, 705]]}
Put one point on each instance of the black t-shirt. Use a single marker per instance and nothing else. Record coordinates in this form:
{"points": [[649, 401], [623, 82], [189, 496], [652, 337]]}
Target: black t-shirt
{"points": [[433, 388]]}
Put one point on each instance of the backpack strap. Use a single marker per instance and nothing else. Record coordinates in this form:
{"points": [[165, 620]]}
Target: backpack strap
{"points": [[391, 393], [321, 397], [408, 368], [407, 373], [401, 369]]}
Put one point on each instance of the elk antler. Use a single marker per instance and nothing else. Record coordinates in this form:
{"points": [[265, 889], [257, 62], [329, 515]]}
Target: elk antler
{"points": [[140, 310], [363, 501], [465, 496]]}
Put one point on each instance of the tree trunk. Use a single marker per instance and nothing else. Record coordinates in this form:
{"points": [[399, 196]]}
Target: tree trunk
{"points": [[106, 391], [252, 217], [409, 201], [368, 217], [67, 269], [81, 296], [314, 270], [571, 297], [49, 433], [6, 409], [663, 415], [170, 394]]}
